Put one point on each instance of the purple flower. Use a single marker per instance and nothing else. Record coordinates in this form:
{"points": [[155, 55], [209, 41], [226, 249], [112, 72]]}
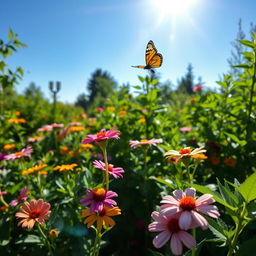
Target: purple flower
{"points": [[2, 156], [114, 171], [22, 197], [98, 198]]}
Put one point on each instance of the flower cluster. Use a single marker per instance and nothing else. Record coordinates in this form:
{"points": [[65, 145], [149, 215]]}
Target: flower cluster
{"points": [[179, 213]]}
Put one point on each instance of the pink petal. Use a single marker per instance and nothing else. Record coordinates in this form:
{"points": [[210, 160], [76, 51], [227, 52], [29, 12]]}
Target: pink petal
{"points": [[210, 210], [156, 227], [178, 194], [200, 220], [169, 211], [185, 220], [205, 199], [161, 239], [187, 239], [190, 192], [176, 245], [169, 200]]}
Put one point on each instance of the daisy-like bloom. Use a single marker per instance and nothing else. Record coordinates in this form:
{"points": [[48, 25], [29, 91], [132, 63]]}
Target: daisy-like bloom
{"points": [[184, 152], [170, 230], [100, 110], [189, 207], [2, 193], [2, 156], [22, 197], [193, 100], [17, 121], [35, 138], [64, 150], [136, 143], [76, 129], [46, 128], [102, 217], [111, 108], [215, 160], [17, 113], [86, 146], [8, 147], [103, 135], [55, 125], [231, 162], [34, 169], [65, 167], [122, 113], [114, 171], [142, 120], [92, 121], [185, 129], [25, 152], [32, 212], [98, 198], [74, 124], [199, 156], [197, 88], [53, 233]]}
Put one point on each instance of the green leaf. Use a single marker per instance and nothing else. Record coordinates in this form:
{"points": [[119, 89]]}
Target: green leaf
{"points": [[29, 239], [234, 138], [10, 34], [162, 181], [248, 188], [247, 43], [244, 65], [217, 229], [137, 87], [206, 190], [141, 78]]}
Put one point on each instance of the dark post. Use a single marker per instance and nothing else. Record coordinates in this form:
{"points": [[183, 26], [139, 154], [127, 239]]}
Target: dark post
{"points": [[54, 92]]}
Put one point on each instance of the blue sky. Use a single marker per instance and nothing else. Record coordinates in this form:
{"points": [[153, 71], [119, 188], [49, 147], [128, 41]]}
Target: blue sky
{"points": [[67, 40]]}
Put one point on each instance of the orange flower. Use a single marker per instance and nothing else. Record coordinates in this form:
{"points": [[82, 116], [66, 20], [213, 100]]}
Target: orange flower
{"points": [[43, 173], [199, 156], [122, 113], [86, 146], [64, 150], [17, 113], [142, 120], [17, 121], [34, 169], [215, 160], [76, 129], [65, 167], [111, 108], [8, 147], [32, 212], [229, 161], [53, 233], [102, 218]]}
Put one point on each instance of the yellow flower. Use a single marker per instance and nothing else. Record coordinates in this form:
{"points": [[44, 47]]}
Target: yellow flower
{"points": [[142, 120], [111, 109], [76, 129], [199, 156], [53, 233], [34, 169], [122, 113], [65, 167], [102, 218], [86, 146], [17, 113], [17, 121], [8, 147], [43, 173]]}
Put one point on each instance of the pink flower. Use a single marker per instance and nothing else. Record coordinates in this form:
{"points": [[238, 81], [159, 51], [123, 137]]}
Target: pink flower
{"points": [[46, 128], [136, 143], [55, 125], [2, 193], [36, 138], [2, 156], [74, 124], [100, 109], [170, 230], [32, 212], [102, 136], [24, 152], [98, 198], [22, 197], [197, 88], [185, 129], [189, 207], [114, 171]]}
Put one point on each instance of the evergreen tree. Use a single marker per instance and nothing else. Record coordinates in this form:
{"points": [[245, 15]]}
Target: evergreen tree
{"points": [[186, 84]]}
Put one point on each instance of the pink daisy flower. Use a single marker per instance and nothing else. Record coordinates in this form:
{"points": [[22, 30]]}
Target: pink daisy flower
{"points": [[136, 143], [98, 198], [74, 124], [25, 152], [170, 230], [45, 128], [102, 136], [197, 88], [22, 197], [114, 171], [32, 212], [185, 129], [55, 125], [189, 207], [36, 138]]}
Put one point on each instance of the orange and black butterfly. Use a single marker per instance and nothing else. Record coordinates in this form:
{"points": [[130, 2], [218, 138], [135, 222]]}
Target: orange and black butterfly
{"points": [[153, 59]]}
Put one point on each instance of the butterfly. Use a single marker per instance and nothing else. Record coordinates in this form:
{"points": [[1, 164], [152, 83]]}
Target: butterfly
{"points": [[153, 59]]}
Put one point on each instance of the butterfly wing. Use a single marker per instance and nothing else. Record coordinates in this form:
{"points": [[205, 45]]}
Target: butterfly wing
{"points": [[150, 51], [156, 61], [138, 66]]}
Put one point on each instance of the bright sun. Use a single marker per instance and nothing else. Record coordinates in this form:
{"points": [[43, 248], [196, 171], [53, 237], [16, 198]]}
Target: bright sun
{"points": [[172, 7]]}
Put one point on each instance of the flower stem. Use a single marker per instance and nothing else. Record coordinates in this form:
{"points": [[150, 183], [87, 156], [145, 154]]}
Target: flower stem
{"points": [[46, 241], [96, 246], [106, 175], [193, 253], [3, 201]]}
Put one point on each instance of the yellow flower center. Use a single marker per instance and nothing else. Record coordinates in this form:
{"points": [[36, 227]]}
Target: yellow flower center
{"points": [[144, 140], [99, 194], [19, 153], [100, 134]]}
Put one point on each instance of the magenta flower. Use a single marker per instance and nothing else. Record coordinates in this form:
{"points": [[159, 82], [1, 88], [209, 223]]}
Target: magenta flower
{"points": [[114, 171], [102, 136], [45, 128], [100, 109], [2, 156], [74, 124], [24, 152], [190, 209], [170, 230], [22, 197], [2, 193], [197, 88], [55, 125], [185, 129], [98, 198], [136, 143]]}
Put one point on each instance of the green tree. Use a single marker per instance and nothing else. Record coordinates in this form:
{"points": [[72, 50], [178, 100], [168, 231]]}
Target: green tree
{"points": [[186, 83]]}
